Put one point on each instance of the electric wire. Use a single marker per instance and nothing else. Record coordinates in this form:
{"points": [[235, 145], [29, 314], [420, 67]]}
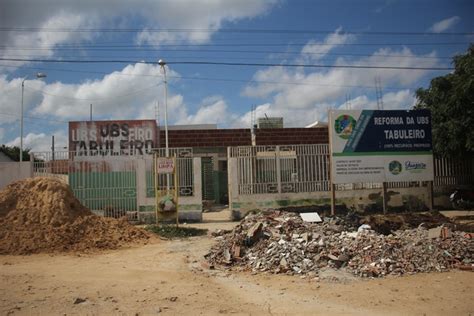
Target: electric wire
{"points": [[217, 79], [74, 46], [228, 64], [226, 30]]}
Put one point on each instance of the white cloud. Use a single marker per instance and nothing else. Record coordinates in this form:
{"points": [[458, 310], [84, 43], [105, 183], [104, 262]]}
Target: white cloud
{"points": [[130, 93], [120, 94], [213, 110], [10, 102], [314, 50], [41, 142], [70, 17], [291, 117], [41, 44], [312, 92], [444, 25], [196, 16], [402, 99]]}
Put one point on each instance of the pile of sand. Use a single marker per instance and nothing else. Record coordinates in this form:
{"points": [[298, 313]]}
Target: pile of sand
{"points": [[42, 215]]}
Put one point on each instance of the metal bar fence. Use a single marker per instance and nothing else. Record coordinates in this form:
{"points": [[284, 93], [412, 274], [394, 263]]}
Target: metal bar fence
{"points": [[305, 168], [105, 184], [282, 169], [185, 172], [108, 184]]}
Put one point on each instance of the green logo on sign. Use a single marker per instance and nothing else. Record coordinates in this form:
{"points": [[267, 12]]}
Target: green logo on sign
{"points": [[344, 125], [395, 167]]}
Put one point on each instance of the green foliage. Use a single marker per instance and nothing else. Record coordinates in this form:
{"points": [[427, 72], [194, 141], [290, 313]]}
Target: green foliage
{"points": [[171, 231], [451, 101], [13, 152]]}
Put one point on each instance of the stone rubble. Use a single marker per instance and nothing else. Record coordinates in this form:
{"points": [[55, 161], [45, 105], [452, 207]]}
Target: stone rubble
{"points": [[281, 242]]}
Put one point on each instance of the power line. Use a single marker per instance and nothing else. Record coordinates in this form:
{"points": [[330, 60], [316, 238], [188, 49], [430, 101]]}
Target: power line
{"points": [[74, 46], [215, 79], [243, 58], [226, 30], [227, 64], [220, 51], [33, 118]]}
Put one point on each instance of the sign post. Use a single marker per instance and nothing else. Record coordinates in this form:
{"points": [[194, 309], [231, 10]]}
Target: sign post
{"points": [[332, 186], [166, 194], [380, 146]]}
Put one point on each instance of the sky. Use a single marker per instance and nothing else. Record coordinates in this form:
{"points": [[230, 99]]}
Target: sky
{"points": [[224, 59]]}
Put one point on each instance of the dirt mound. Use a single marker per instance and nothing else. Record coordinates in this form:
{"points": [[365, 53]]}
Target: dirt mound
{"points": [[42, 215]]}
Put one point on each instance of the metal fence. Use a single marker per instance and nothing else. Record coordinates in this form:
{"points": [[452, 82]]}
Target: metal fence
{"points": [[185, 171], [454, 171], [108, 184], [281, 169], [305, 168]]}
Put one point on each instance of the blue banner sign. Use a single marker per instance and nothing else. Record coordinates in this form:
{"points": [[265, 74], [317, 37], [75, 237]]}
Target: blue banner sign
{"points": [[381, 145]]}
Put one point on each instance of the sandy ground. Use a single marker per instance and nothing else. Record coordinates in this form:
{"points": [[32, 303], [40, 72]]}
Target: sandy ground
{"points": [[168, 277]]}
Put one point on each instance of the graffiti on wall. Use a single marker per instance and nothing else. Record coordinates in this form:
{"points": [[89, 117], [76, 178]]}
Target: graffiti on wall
{"points": [[113, 138]]}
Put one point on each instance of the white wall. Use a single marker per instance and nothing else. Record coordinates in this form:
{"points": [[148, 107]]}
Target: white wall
{"points": [[13, 171], [240, 204]]}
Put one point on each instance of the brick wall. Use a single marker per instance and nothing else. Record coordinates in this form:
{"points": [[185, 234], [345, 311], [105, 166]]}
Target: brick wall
{"points": [[241, 137], [292, 136]]}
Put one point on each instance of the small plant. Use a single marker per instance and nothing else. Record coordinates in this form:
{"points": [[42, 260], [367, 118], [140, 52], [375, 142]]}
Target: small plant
{"points": [[171, 231]]}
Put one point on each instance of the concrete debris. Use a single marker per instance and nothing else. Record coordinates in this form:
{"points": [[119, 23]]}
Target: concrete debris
{"points": [[281, 242], [254, 234], [311, 217], [439, 232], [363, 227]]}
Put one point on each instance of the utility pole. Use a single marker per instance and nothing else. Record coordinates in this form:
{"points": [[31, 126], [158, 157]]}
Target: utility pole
{"points": [[378, 93], [52, 147], [348, 102], [91, 113], [162, 64], [252, 126]]}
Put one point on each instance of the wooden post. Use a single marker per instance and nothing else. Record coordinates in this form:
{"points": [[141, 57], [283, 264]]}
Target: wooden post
{"points": [[278, 168], [157, 185], [332, 185], [384, 195], [431, 195], [333, 199], [176, 188]]}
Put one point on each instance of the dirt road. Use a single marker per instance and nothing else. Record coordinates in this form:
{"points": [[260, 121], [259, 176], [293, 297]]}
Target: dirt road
{"points": [[167, 277]]}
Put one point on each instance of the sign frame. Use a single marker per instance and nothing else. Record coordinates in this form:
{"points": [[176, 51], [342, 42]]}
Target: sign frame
{"points": [[380, 146]]}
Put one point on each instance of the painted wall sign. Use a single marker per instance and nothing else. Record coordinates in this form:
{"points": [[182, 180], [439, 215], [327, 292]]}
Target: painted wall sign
{"points": [[380, 145], [112, 138]]}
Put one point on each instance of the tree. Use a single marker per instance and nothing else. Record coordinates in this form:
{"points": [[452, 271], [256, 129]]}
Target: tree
{"points": [[13, 152], [451, 101]]}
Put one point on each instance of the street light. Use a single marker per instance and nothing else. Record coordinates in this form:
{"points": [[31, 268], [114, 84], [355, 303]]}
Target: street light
{"points": [[162, 64], [39, 75]]}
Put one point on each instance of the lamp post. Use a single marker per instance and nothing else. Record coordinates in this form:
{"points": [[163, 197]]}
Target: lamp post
{"points": [[162, 64], [39, 75]]}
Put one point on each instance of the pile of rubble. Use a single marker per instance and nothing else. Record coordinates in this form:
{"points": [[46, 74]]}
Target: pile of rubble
{"points": [[281, 242]]}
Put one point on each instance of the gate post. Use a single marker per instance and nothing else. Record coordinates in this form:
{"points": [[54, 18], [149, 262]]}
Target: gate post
{"points": [[278, 168], [140, 175]]}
